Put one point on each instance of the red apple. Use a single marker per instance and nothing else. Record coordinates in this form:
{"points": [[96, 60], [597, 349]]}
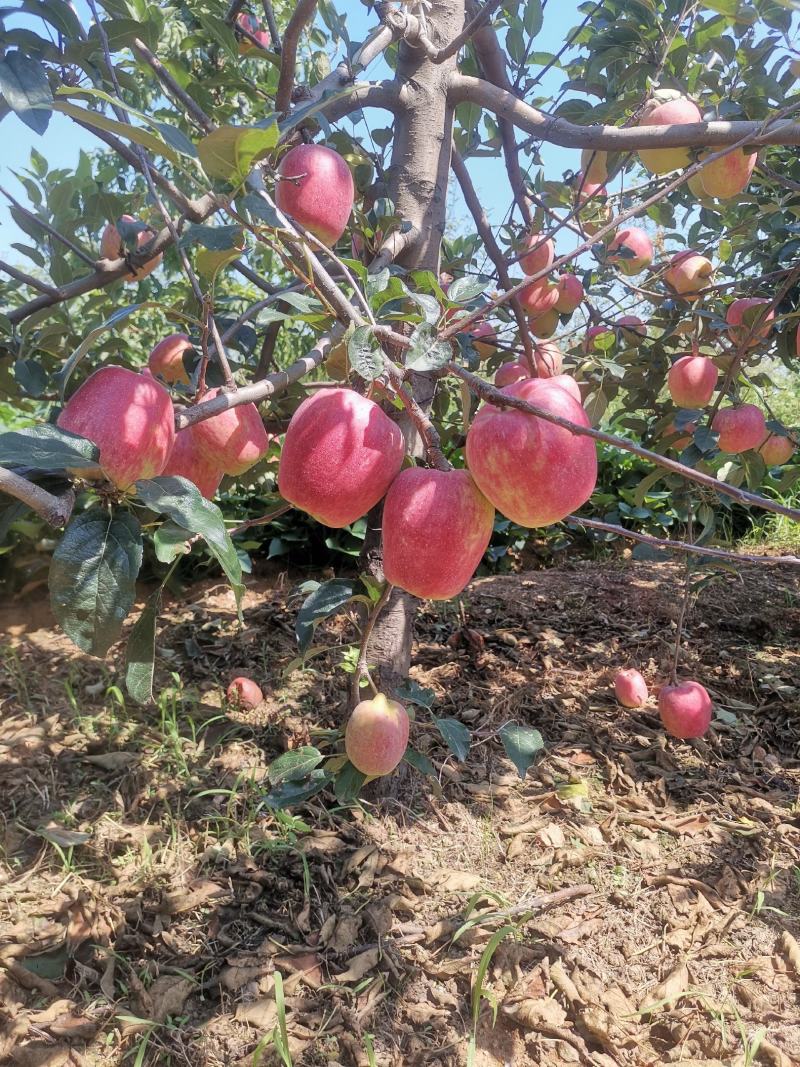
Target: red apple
{"points": [[631, 688], [376, 735], [632, 329], [533, 471], [129, 417], [340, 455], [685, 709], [232, 441], [776, 450], [739, 428], [436, 527], [589, 337], [483, 339], [507, 373], [548, 358], [538, 297], [570, 294], [726, 177], [691, 381], [686, 439], [188, 461], [166, 359], [747, 318], [631, 250], [667, 108], [544, 325], [252, 25], [566, 381], [112, 247], [244, 693], [316, 188], [541, 255], [689, 273]]}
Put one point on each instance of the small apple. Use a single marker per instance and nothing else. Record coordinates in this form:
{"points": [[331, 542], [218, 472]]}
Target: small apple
{"points": [[376, 735], [685, 709], [748, 317], [316, 189], [631, 688], [166, 359], [631, 250], [689, 273], [540, 256], [667, 108], [776, 450], [570, 294], [244, 693], [692, 380]]}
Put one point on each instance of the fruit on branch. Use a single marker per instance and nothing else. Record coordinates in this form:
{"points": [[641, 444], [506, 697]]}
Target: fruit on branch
{"points": [[316, 188], [685, 709], [252, 25], [129, 417], [233, 440], [113, 247], [686, 437], [508, 373], [570, 294], [631, 250], [436, 527], [166, 359], [631, 329], [631, 688], [186, 460], [340, 455], [548, 359], [592, 333], [244, 693], [725, 177], [591, 198], [538, 297], [691, 381], [483, 339], [776, 450], [541, 255], [566, 381], [739, 429], [689, 273], [544, 325], [594, 164], [667, 108], [376, 735], [533, 471], [747, 317]]}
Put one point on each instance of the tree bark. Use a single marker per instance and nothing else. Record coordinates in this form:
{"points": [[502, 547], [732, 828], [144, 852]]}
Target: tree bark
{"points": [[418, 187]]}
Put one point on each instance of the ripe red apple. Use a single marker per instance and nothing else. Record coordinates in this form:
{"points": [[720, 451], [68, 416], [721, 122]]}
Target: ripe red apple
{"points": [[507, 373], [376, 735], [187, 460], [548, 359], [726, 177], [566, 381], [739, 428], [631, 250], [252, 25], [667, 108], [483, 339], [129, 417], [633, 330], [244, 693], [316, 188], [233, 440], [112, 247], [691, 381], [436, 527], [542, 255], [538, 297], [743, 315], [631, 688], [166, 359], [776, 450], [340, 455], [685, 709], [594, 164], [570, 294], [533, 471], [689, 273]]}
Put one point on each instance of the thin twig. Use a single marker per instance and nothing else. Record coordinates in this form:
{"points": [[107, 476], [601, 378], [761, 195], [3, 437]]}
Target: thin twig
{"points": [[55, 510], [79, 252], [301, 16], [27, 279], [172, 87]]}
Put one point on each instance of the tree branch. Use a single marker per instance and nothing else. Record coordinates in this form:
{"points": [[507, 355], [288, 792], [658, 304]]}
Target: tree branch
{"points": [[172, 87], [79, 252], [55, 510], [27, 279], [301, 16]]}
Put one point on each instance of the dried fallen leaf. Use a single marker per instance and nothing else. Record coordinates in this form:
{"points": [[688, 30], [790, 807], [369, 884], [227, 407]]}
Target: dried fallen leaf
{"points": [[360, 965], [447, 880], [169, 994], [59, 835], [667, 992], [790, 948], [196, 893]]}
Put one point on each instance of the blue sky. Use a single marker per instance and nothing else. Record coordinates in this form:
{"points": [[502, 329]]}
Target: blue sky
{"points": [[63, 140]]}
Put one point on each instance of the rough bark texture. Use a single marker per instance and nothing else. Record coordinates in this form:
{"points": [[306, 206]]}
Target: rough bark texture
{"points": [[418, 186]]}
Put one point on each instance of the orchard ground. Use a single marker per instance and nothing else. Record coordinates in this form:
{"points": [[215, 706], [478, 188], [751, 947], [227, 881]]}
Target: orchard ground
{"points": [[680, 863]]}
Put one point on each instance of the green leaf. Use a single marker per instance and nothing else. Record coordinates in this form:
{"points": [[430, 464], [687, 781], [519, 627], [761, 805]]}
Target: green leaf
{"points": [[428, 305], [347, 784], [521, 744], [293, 765], [325, 600], [74, 359], [46, 447], [462, 290], [169, 542], [31, 376], [58, 13], [294, 792], [216, 238], [419, 762], [122, 129], [140, 654], [426, 351], [413, 693], [24, 84], [93, 577], [456, 736], [182, 502], [261, 210], [364, 353], [230, 151], [532, 17]]}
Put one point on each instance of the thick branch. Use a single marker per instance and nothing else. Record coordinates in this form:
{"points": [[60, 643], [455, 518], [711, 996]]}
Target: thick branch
{"points": [[27, 279], [55, 510], [301, 16]]}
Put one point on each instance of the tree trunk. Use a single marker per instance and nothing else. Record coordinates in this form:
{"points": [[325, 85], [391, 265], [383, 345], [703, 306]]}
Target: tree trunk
{"points": [[419, 178]]}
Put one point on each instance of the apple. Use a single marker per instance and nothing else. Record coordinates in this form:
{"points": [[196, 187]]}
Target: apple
{"points": [[436, 527], [533, 471], [689, 273], [252, 25], [594, 164], [129, 417], [113, 247], [725, 177], [747, 318], [593, 332], [685, 439], [691, 381], [591, 198], [234, 440], [548, 359], [631, 688], [570, 294], [538, 298], [244, 693], [166, 359], [667, 108], [315, 188], [188, 461], [631, 250], [541, 255], [544, 325], [739, 428], [776, 450], [507, 373], [483, 337], [632, 329], [685, 709], [340, 455], [376, 735], [566, 381]]}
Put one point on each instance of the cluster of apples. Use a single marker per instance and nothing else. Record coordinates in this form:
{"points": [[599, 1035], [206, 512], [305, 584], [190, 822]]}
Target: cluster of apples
{"points": [[685, 709]]}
